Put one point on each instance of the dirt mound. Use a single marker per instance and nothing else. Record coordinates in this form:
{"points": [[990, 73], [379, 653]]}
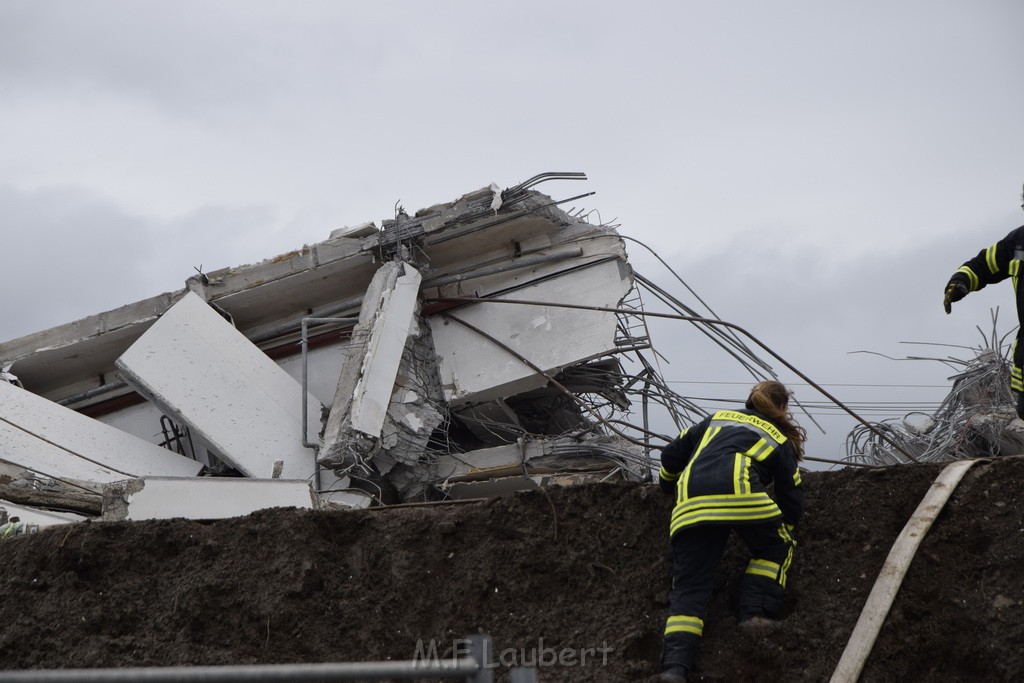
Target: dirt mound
{"points": [[554, 578]]}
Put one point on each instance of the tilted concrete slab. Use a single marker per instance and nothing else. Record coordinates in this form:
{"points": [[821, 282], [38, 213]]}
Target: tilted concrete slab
{"points": [[43, 437], [41, 518], [201, 497], [476, 369], [207, 375]]}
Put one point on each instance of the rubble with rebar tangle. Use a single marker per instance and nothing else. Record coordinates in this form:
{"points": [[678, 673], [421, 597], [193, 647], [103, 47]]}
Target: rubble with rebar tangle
{"points": [[977, 418]]}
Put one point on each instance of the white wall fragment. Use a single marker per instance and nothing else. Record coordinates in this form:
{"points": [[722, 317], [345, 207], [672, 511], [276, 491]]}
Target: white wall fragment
{"points": [[475, 369], [201, 497], [207, 375], [41, 518], [48, 438]]}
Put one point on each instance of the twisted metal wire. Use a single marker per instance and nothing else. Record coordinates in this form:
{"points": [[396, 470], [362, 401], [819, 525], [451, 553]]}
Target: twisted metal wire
{"points": [[975, 419]]}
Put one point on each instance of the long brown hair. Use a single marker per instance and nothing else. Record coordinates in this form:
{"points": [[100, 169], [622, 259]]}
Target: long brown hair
{"points": [[771, 399]]}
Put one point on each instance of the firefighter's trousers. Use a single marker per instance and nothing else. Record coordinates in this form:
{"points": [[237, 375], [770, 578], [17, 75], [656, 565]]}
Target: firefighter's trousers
{"points": [[696, 553]]}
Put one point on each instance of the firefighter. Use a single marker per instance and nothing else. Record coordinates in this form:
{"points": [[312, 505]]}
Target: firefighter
{"points": [[719, 471], [1000, 261]]}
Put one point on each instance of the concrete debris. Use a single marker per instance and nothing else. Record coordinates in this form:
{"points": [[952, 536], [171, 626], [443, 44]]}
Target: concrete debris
{"points": [[51, 440], [202, 372], [17, 520], [435, 389], [382, 401], [976, 419], [201, 497], [30, 489]]}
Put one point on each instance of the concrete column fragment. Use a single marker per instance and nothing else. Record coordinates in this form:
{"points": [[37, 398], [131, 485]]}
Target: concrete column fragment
{"points": [[391, 325], [384, 394]]}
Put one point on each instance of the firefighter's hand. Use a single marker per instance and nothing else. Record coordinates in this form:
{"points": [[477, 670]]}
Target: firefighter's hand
{"points": [[954, 292]]}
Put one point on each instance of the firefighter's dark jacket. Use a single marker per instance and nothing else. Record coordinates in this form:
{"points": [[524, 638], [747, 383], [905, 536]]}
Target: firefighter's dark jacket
{"points": [[1000, 261], [720, 470]]}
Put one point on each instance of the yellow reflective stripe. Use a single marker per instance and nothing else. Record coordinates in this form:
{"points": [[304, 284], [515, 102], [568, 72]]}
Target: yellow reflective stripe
{"points": [[990, 260], [759, 512], [684, 624], [788, 562], [665, 475], [723, 501], [722, 516], [760, 450], [683, 433], [765, 568], [972, 278], [737, 473], [796, 477], [709, 434], [764, 425]]}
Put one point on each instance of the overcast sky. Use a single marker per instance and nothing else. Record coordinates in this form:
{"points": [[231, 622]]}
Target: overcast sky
{"points": [[816, 171]]}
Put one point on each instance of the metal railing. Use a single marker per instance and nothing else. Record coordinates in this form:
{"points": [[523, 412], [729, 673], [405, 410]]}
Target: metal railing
{"points": [[474, 666]]}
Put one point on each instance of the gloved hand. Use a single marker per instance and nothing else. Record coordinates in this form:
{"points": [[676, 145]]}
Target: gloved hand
{"points": [[954, 292]]}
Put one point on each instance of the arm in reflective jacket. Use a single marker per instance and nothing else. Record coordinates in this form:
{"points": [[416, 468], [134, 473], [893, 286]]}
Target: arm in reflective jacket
{"points": [[991, 265], [789, 490], [676, 455]]}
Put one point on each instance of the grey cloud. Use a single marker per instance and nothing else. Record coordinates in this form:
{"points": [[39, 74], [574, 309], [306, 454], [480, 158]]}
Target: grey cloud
{"points": [[69, 253]]}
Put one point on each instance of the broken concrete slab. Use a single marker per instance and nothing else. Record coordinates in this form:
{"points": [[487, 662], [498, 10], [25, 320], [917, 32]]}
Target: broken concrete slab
{"points": [[37, 517], [52, 440], [384, 402], [204, 373], [475, 369], [502, 486], [201, 497], [401, 424], [530, 456], [44, 492], [395, 309]]}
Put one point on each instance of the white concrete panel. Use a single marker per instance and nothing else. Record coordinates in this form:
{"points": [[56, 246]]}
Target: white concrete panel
{"points": [[43, 436], [43, 518], [384, 353], [214, 497], [324, 369], [204, 373], [473, 368]]}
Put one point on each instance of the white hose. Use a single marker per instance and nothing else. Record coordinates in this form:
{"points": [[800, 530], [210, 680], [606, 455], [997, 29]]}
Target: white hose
{"points": [[895, 568]]}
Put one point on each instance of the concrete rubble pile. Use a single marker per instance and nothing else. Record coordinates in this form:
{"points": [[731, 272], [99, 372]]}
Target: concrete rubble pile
{"points": [[977, 418], [375, 367]]}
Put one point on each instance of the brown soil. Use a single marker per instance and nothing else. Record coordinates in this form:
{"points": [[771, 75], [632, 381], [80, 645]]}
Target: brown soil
{"points": [[580, 568]]}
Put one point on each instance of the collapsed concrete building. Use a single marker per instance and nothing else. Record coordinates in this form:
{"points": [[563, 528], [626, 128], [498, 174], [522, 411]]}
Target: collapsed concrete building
{"points": [[385, 364]]}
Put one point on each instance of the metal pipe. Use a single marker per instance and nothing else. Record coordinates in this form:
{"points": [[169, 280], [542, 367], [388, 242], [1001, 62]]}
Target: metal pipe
{"points": [[95, 391], [341, 671], [688, 318], [476, 667]]}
